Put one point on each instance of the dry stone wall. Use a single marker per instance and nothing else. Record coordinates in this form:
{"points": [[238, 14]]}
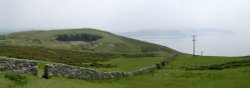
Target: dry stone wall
{"points": [[69, 71], [18, 65], [154, 67], [78, 72], [143, 70], [63, 70]]}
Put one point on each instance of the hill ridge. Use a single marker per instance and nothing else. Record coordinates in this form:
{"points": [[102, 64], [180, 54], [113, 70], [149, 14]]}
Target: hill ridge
{"points": [[108, 43]]}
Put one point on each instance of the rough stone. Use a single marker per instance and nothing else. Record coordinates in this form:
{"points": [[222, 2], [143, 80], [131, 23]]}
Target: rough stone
{"points": [[69, 71], [18, 65]]}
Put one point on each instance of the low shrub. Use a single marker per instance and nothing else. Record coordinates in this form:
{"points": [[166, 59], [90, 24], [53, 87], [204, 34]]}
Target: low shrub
{"points": [[54, 55], [98, 65], [233, 64]]}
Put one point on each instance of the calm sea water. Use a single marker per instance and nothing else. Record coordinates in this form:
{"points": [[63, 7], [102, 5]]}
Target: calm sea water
{"points": [[235, 45]]}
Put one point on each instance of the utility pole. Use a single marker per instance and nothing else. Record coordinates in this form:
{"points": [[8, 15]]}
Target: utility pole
{"points": [[194, 44]]}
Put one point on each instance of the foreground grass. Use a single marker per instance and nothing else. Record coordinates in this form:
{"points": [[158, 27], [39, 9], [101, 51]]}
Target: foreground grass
{"points": [[171, 76], [165, 78]]}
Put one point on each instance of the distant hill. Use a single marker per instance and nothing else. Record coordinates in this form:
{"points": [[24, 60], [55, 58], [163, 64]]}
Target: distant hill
{"points": [[155, 33], [176, 33], [84, 39], [246, 56]]}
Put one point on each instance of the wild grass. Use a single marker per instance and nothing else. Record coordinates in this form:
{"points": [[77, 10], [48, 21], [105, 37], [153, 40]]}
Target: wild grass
{"points": [[18, 79], [80, 58], [190, 61], [131, 64], [54, 55]]}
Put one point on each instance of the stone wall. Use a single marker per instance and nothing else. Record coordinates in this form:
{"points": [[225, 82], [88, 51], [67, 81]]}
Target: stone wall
{"points": [[154, 67], [143, 70], [18, 65], [63, 70], [69, 71]]}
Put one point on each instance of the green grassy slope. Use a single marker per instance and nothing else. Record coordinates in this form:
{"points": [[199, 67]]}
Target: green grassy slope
{"points": [[131, 64], [190, 61], [171, 76], [80, 58], [108, 43], [43, 45], [55, 55]]}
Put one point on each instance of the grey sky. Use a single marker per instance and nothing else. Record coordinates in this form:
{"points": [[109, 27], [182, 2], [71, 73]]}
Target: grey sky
{"points": [[134, 15], [125, 15]]}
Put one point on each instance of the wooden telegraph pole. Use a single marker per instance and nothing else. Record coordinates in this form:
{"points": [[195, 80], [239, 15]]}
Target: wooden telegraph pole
{"points": [[194, 44]]}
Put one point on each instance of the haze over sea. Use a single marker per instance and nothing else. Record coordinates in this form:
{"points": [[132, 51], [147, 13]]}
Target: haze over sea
{"points": [[211, 42]]}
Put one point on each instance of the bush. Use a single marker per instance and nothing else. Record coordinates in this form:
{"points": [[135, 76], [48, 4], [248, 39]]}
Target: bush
{"points": [[98, 65], [233, 64], [17, 78], [139, 55], [78, 37]]}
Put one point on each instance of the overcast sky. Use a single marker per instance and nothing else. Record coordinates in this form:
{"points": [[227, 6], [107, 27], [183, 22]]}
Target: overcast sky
{"points": [[125, 15]]}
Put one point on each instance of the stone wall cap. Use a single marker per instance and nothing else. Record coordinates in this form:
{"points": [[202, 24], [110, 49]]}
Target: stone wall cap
{"points": [[16, 59]]}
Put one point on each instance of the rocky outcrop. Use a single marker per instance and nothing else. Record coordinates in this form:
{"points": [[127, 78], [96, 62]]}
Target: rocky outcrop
{"points": [[18, 65]]}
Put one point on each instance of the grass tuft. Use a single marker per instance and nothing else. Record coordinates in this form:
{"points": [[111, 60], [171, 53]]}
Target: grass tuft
{"points": [[18, 79]]}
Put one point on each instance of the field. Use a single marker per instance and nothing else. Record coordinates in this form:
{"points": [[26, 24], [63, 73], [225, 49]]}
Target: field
{"points": [[130, 64], [173, 75]]}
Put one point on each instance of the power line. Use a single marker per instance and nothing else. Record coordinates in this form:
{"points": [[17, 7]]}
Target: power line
{"points": [[194, 44]]}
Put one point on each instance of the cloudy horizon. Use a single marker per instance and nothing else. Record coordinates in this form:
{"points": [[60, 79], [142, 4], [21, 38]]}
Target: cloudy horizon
{"points": [[126, 15], [118, 16]]}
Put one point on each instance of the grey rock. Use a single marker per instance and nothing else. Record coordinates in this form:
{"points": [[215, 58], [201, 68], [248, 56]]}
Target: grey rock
{"points": [[18, 65]]}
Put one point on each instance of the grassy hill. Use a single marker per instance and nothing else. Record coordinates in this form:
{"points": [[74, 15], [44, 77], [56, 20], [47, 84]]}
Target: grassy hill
{"points": [[80, 40], [81, 47]]}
